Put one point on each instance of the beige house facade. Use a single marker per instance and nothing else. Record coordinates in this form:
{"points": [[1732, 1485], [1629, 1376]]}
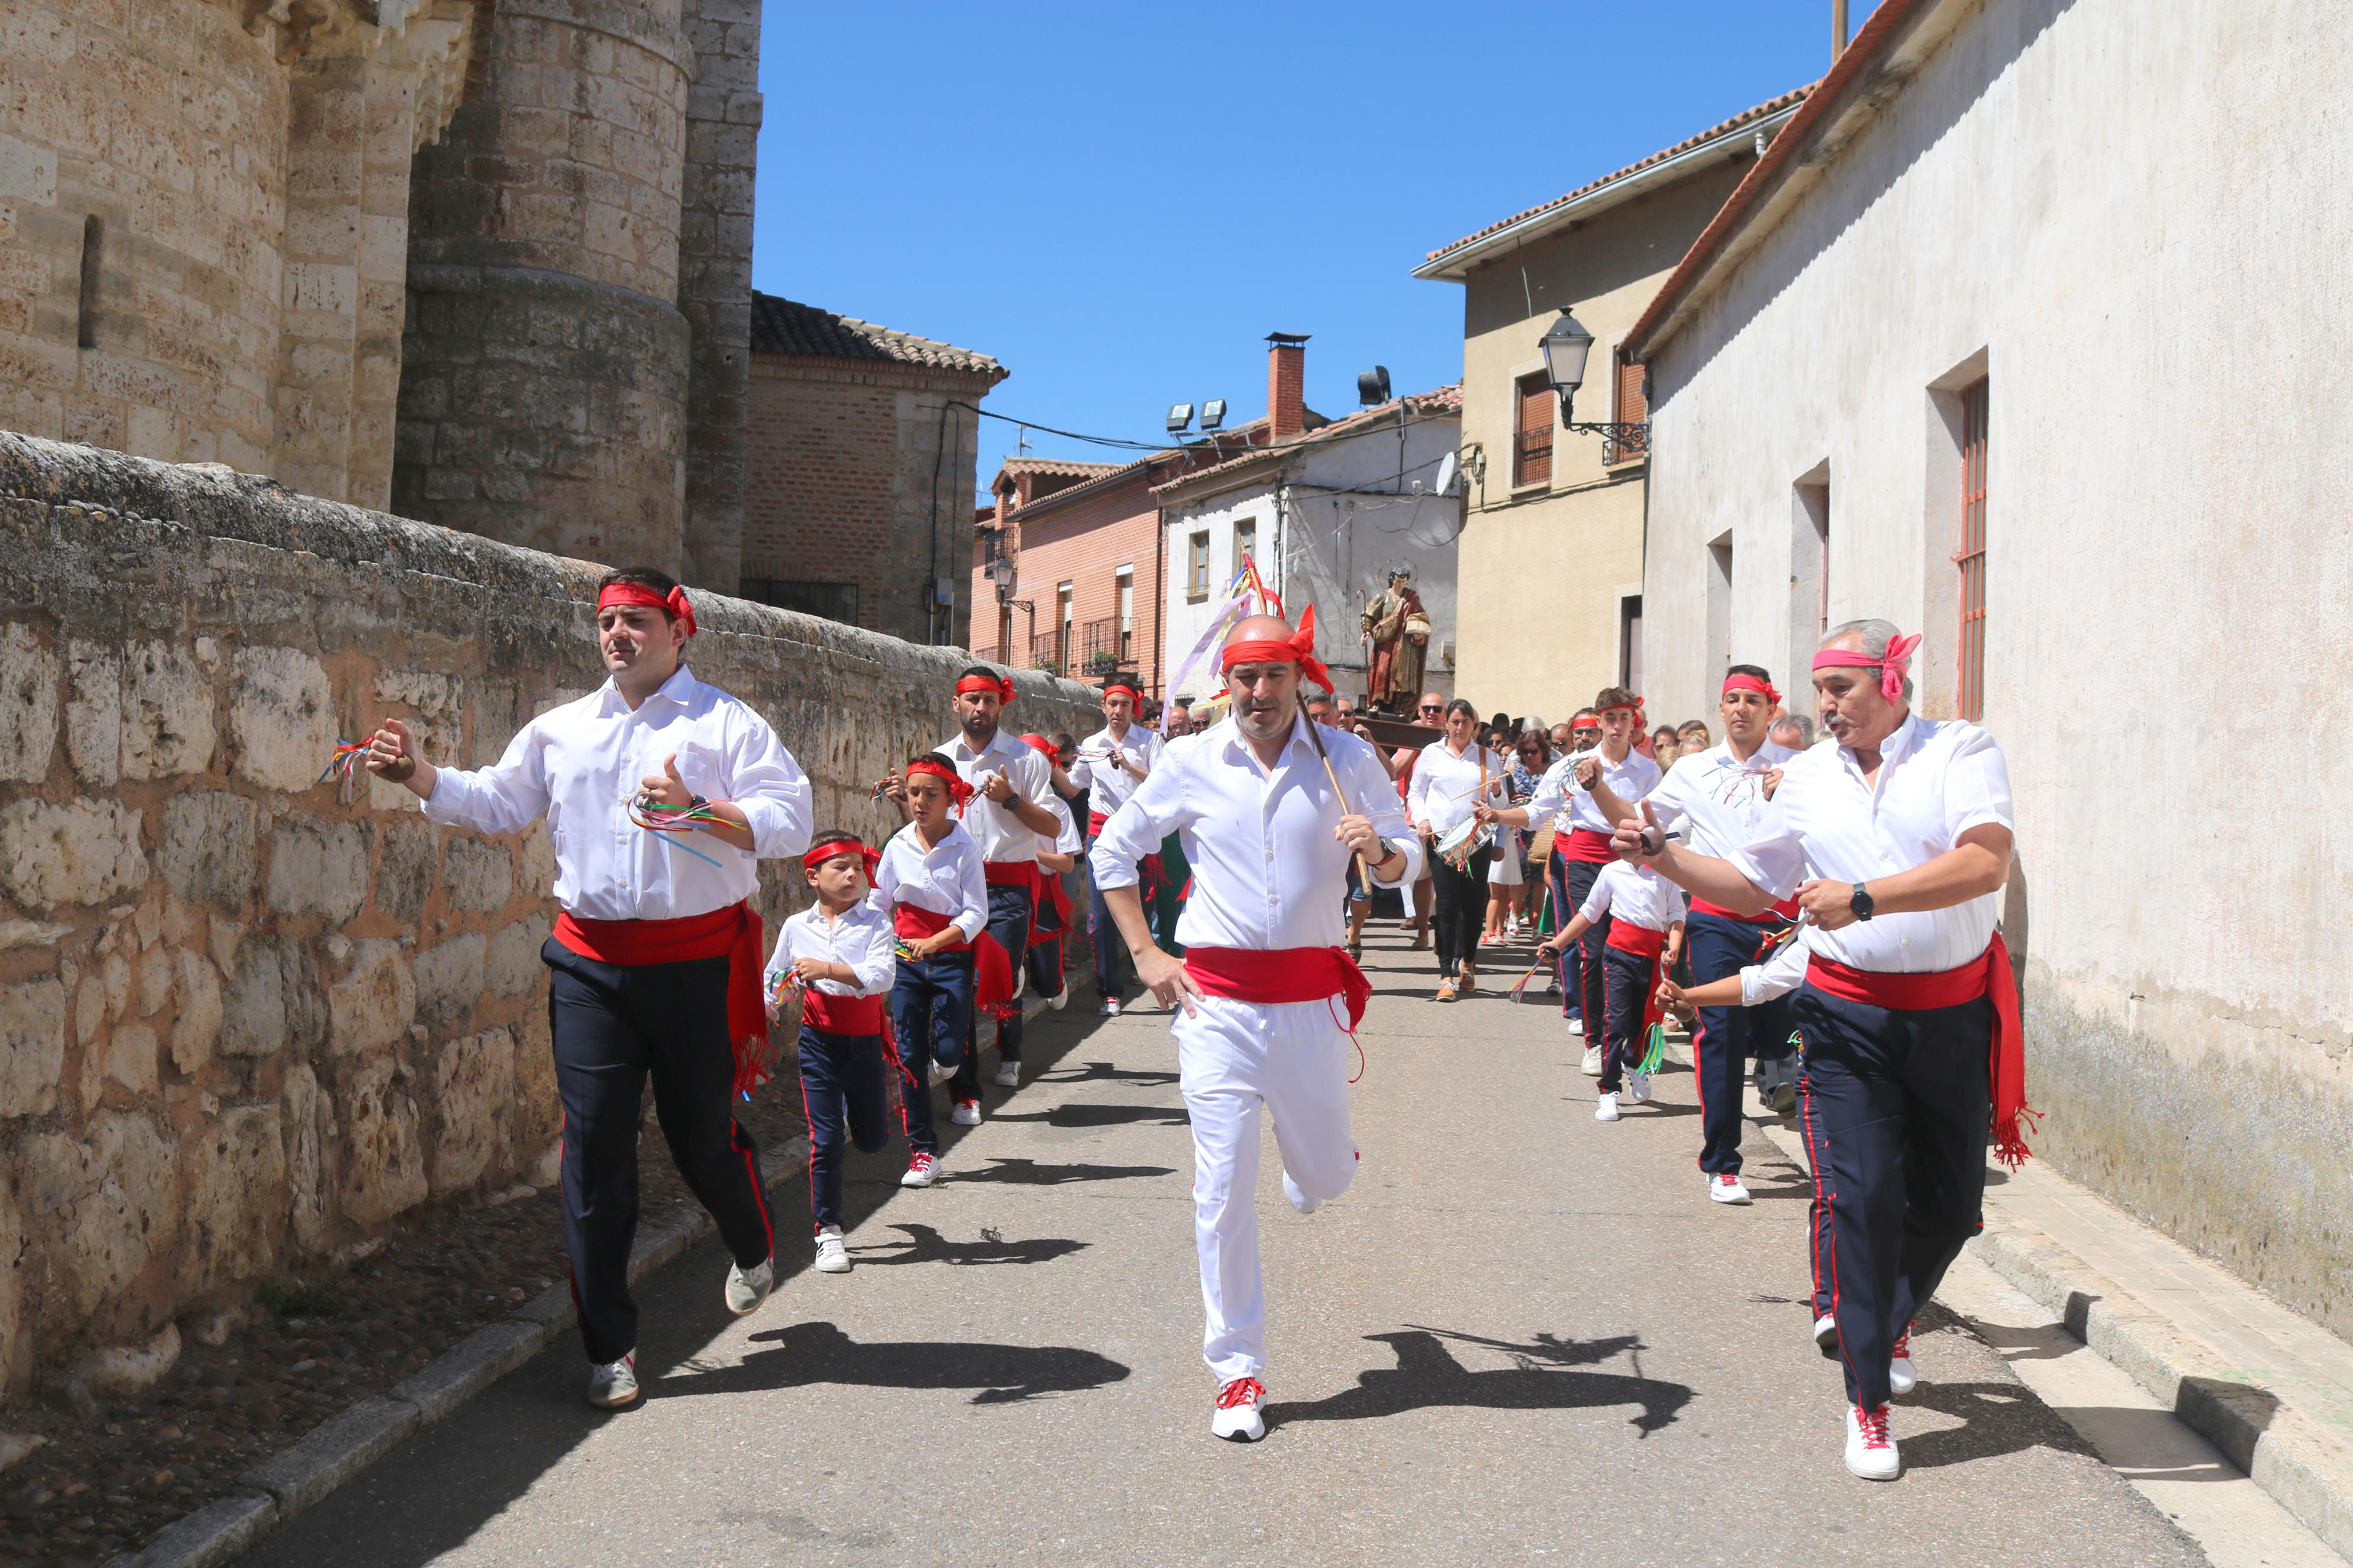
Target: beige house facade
{"points": [[1551, 554], [2030, 317]]}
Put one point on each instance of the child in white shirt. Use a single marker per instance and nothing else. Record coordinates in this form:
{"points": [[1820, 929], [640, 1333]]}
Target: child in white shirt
{"points": [[1646, 933], [931, 885]]}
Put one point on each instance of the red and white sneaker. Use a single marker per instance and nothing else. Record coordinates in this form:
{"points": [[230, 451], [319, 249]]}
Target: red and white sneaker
{"points": [[1724, 1187], [1869, 1451], [1902, 1377], [923, 1171], [1237, 1417]]}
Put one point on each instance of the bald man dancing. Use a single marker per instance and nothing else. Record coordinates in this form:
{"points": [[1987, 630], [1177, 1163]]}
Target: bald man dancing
{"points": [[1895, 842], [1264, 977]]}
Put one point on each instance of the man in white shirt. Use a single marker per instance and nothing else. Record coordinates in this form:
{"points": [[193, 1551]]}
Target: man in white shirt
{"points": [[656, 957], [1585, 848], [1011, 784], [1263, 974], [1895, 842], [1112, 762], [1715, 796]]}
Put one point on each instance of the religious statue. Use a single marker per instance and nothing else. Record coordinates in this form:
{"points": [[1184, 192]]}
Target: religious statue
{"points": [[1400, 629]]}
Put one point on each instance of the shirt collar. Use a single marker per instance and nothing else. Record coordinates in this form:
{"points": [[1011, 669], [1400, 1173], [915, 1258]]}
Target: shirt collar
{"points": [[1237, 745], [1899, 744], [679, 689], [963, 746]]}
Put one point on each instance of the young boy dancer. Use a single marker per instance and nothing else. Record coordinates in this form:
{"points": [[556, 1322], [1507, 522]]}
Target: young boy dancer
{"points": [[838, 955], [1049, 924], [931, 881], [656, 956], [1645, 916]]}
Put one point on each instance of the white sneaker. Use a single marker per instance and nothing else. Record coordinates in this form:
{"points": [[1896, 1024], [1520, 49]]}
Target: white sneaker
{"points": [[1577, 1027], [1009, 1075], [614, 1385], [1826, 1338], [1902, 1377], [1059, 999], [923, 1171], [1109, 1009], [1237, 1417], [941, 1072], [1869, 1451], [1591, 1065], [832, 1256], [966, 1113], [1299, 1200], [1724, 1188], [747, 1287], [1638, 1087], [1606, 1108]]}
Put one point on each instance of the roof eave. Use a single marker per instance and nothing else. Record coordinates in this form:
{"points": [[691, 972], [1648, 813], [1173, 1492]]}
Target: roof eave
{"points": [[1455, 266]]}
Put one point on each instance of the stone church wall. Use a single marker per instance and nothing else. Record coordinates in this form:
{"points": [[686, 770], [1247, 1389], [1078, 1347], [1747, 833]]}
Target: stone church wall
{"points": [[247, 1025]]}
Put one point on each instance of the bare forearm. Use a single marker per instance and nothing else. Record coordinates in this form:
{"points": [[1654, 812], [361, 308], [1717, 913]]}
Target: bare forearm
{"points": [[731, 828], [1126, 907], [1964, 872], [1613, 808], [1033, 816], [1705, 876]]}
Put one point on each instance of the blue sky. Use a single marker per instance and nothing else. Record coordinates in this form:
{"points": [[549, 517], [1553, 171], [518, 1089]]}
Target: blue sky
{"points": [[1120, 202]]}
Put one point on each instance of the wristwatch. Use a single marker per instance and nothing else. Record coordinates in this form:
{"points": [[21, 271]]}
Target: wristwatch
{"points": [[696, 801], [1861, 904]]}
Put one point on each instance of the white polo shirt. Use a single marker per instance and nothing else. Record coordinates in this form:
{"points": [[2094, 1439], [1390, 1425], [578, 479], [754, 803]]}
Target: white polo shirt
{"points": [[1000, 834], [1269, 868], [1107, 784], [1937, 779], [945, 878]]}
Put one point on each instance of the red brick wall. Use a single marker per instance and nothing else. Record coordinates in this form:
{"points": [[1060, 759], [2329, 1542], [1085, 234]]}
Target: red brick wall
{"points": [[1083, 542]]}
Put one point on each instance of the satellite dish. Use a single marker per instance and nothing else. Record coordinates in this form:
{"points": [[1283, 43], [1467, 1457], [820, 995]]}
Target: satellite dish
{"points": [[1447, 467]]}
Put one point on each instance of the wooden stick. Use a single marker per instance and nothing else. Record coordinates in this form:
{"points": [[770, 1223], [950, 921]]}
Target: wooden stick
{"points": [[1314, 733]]}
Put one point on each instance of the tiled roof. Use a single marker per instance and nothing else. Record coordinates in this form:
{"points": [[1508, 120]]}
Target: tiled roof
{"points": [[1764, 110], [1447, 399], [1058, 467], [782, 326]]}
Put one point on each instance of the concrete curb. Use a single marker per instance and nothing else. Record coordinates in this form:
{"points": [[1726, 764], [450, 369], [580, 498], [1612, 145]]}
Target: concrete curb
{"points": [[343, 1445], [2304, 1465]]}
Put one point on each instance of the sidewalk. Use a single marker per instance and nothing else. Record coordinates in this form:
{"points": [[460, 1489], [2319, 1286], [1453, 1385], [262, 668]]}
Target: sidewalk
{"points": [[2270, 1388]]}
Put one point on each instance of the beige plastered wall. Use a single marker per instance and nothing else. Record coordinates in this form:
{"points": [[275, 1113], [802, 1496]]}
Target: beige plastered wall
{"points": [[2152, 275]]}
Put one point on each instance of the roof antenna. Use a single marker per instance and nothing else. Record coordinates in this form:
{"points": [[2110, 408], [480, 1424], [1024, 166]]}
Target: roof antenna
{"points": [[1525, 290]]}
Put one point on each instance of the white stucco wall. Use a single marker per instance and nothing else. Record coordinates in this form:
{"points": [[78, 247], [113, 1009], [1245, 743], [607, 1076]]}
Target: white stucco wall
{"points": [[2132, 214], [1333, 551]]}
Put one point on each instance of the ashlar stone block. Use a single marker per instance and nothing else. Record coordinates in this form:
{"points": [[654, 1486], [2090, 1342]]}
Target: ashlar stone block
{"points": [[28, 705], [74, 852], [33, 1039], [99, 1206], [281, 717], [375, 1001], [473, 1086]]}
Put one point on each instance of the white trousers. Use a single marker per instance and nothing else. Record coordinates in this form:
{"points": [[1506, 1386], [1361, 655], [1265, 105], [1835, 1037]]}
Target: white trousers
{"points": [[1232, 1058]]}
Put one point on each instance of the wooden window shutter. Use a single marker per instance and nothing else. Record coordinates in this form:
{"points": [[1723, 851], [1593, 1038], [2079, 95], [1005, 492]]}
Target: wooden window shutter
{"points": [[1532, 429], [1627, 406]]}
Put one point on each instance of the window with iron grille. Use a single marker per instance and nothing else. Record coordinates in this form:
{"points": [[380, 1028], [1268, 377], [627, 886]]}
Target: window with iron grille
{"points": [[834, 600], [1627, 406], [1535, 410], [1971, 555], [1245, 542], [1196, 567], [1125, 578]]}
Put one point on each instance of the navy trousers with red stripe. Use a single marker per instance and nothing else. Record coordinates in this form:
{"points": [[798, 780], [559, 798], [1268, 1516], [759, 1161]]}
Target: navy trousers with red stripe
{"points": [[1008, 922], [1721, 946], [1896, 1117], [614, 1027], [845, 1092], [1581, 963]]}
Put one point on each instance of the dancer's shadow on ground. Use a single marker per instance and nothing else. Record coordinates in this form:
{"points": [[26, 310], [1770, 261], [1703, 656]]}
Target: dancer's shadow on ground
{"points": [[925, 1245], [807, 1353], [1085, 1116], [1541, 1377], [1105, 1072], [1017, 1171]]}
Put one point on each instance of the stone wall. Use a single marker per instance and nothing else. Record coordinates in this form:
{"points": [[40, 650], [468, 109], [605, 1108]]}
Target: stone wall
{"points": [[248, 1025]]}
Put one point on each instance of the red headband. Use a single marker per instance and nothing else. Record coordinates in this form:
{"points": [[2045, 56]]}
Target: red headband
{"points": [[820, 853], [1636, 706], [1042, 746], [639, 593], [1299, 649], [1123, 685], [1891, 666], [1588, 722], [958, 791], [1001, 684], [1750, 683]]}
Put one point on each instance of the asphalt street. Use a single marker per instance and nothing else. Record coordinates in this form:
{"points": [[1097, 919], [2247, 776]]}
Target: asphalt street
{"points": [[1524, 1336]]}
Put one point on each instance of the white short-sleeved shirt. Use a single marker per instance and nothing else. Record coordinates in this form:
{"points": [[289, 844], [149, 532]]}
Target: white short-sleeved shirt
{"points": [[945, 878], [1000, 834], [1558, 789], [1067, 839], [1268, 867], [1107, 784], [1722, 796], [862, 937], [1635, 895], [1937, 779], [1779, 974], [579, 765]]}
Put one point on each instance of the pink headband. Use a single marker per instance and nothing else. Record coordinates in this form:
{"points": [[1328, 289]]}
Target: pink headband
{"points": [[1891, 666]]}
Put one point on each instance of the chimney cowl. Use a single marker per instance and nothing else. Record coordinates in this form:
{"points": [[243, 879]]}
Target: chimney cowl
{"points": [[1286, 385]]}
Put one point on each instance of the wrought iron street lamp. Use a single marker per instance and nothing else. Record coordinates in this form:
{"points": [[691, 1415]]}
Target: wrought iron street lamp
{"points": [[1566, 347]]}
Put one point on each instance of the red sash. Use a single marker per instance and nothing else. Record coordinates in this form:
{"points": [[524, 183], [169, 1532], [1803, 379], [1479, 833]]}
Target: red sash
{"points": [[913, 922], [1786, 909], [1584, 844], [1151, 871], [1643, 942], [1050, 896], [1280, 974], [1989, 974], [1012, 874], [841, 1014], [992, 981], [733, 932], [1096, 820]]}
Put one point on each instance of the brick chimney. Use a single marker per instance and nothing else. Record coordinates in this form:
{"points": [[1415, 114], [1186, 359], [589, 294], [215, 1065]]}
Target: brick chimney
{"points": [[1286, 385]]}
